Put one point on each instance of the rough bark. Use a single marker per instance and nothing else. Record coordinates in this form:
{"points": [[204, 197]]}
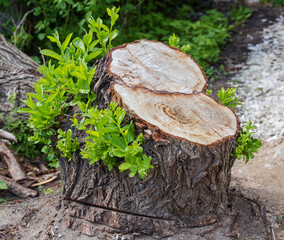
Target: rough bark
{"points": [[188, 186], [18, 72]]}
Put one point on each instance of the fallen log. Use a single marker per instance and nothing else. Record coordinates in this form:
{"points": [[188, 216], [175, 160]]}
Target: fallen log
{"points": [[14, 167], [18, 73], [7, 135], [18, 189], [190, 138]]}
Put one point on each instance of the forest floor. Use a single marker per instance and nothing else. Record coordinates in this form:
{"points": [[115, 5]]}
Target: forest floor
{"points": [[254, 62]]}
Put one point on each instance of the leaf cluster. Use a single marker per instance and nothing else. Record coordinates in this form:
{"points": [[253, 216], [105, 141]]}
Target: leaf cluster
{"points": [[22, 132], [227, 97], [66, 144], [18, 126], [109, 141], [69, 76], [3, 185], [274, 2], [140, 19], [67, 83], [174, 42], [247, 144], [239, 15]]}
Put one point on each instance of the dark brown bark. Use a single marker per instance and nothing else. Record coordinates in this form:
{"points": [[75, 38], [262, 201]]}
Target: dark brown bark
{"points": [[18, 73], [188, 186]]}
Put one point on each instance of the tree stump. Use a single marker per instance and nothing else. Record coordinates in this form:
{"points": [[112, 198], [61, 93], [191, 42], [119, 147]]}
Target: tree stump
{"points": [[18, 73], [189, 135]]}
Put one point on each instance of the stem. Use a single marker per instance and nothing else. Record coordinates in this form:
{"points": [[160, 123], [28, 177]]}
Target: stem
{"points": [[60, 118]]}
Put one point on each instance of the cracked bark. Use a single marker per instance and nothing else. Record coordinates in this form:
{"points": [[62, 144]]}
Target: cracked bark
{"points": [[18, 73], [190, 144]]}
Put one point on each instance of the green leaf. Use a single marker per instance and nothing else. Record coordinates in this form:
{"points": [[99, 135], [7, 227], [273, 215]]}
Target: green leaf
{"points": [[92, 97], [78, 43], [113, 34], [36, 96], [124, 166], [87, 38], [105, 27], [130, 133], [118, 153], [118, 142], [38, 88], [103, 37], [93, 54], [3, 185], [185, 48], [41, 36], [120, 115], [30, 103], [93, 133], [93, 44], [53, 39], [50, 53], [174, 40], [25, 110], [110, 129], [66, 42], [132, 174]]}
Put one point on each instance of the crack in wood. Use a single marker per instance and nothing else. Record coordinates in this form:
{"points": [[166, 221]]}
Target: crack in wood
{"points": [[207, 124], [115, 210], [137, 59]]}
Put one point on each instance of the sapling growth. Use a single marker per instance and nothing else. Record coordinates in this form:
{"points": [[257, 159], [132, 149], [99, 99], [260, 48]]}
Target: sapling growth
{"points": [[247, 144], [67, 82]]}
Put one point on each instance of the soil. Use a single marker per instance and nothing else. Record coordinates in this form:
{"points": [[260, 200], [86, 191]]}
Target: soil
{"points": [[256, 209]]}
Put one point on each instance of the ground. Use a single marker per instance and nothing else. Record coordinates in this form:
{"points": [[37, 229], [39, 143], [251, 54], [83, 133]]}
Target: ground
{"points": [[257, 188]]}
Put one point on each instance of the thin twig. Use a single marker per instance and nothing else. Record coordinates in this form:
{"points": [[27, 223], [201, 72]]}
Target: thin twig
{"points": [[43, 59], [20, 23]]}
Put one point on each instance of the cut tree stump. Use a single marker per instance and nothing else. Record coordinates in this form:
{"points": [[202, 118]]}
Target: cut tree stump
{"points": [[18, 73], [189, 135]]}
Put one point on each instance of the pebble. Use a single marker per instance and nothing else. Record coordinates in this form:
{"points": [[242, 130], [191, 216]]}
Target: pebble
{"points": [[260, 85]]}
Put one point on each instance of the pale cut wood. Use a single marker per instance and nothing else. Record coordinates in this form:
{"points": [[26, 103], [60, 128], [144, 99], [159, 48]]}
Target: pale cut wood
{"points": [[157, 67], [194, 117]]}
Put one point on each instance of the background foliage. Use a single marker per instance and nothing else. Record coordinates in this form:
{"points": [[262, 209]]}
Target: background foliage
{"points": [[205, 30]]}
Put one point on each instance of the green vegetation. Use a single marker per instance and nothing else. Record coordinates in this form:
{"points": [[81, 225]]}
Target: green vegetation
{"points": [[274, 2], [155, 20], [18, 126], [227, 97], [4, 201], [22, 132], [66, 144], [247, 144], [109, 140], [174, 42], [48, 191], [70, 78], [3, 185]]}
